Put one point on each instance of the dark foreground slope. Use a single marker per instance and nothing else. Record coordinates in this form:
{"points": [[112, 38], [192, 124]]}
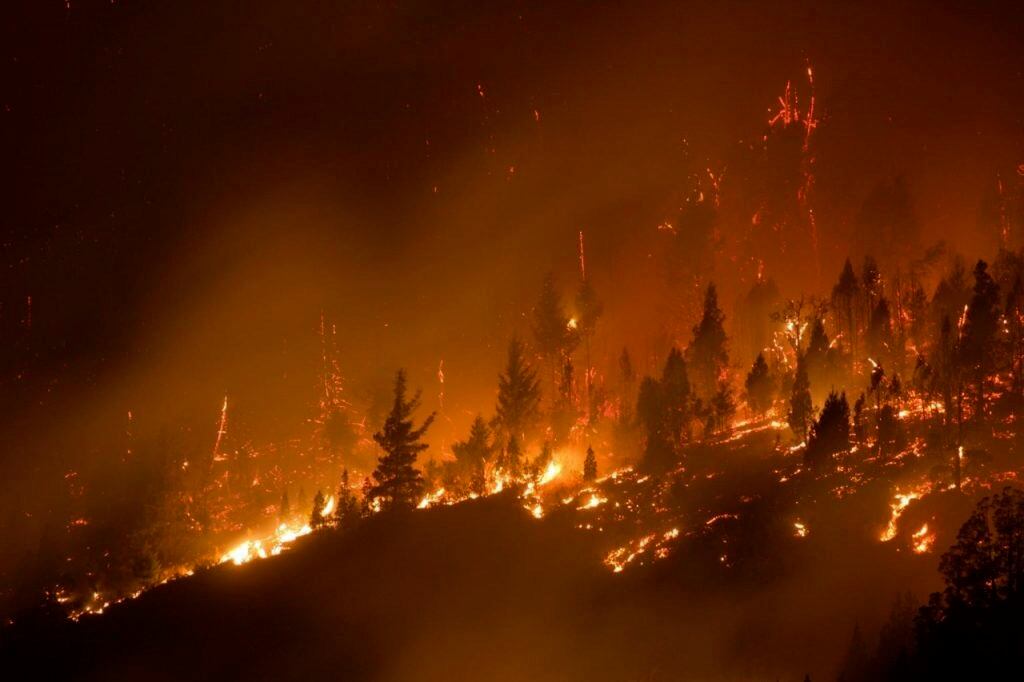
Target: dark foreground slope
{"points": [[476, 591]]}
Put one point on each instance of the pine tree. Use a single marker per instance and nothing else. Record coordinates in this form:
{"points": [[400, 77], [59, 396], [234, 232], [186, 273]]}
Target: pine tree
{"points": [[830, 433], [651, 412], [398, 483], [759, 386], [316, 517], [563, 412], [978, 342], [820, 356], [552, 332], [346, 514], [590, 466], [855, 663], [708, 352], [800, 408], [723, 407], [880, 330], [518, 408], [472, 453], [844, 299], [511, 461], [675, 398]]}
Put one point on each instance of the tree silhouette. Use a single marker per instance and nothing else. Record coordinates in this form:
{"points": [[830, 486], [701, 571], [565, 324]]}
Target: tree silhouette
{"points": [[800, 407], [552, 332], [855, 666], [676, 399], [316, 517], [845, 296], [880, 330], [472, 454], [590, 466], [651, 414], [759, 386], [973, 628], [511, 459], [398, 485], [708, 352], [518, 408], [563, 412], [723, 407], [830, 434], [978, 340], [346, 513]]}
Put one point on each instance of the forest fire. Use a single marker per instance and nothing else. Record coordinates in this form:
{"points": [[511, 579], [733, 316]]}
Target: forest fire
{"points": [[384, 341]]}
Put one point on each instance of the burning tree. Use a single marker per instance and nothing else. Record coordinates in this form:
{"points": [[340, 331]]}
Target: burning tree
{"points": [[398, 482]]}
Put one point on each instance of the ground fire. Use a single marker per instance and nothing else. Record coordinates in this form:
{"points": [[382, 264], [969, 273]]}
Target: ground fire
{"points": [[524, 341]]}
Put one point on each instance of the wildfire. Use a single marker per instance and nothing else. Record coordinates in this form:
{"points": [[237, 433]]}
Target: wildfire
{"points": [[923, 540], [899, 504], [272, 546]]}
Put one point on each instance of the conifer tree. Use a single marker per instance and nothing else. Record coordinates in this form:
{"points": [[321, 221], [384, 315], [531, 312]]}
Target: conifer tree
{"points": [[590, 466], [708, 352], [723, 407], [800, 408], [880, 330], [554, 336], [472, 453], [978, 339], [845, 295], [759, 386], [675, 397], [651, 412], [518, 408], [398, 484], [511, 461], [316, 517], [563, 412], [346, 514], [830, 433]]}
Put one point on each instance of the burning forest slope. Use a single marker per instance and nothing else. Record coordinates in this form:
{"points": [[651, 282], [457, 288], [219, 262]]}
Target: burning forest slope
{"points": [[482, 590]]}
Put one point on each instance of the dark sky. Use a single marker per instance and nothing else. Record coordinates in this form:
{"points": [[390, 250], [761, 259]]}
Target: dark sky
{"points": [[188, 184]]}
